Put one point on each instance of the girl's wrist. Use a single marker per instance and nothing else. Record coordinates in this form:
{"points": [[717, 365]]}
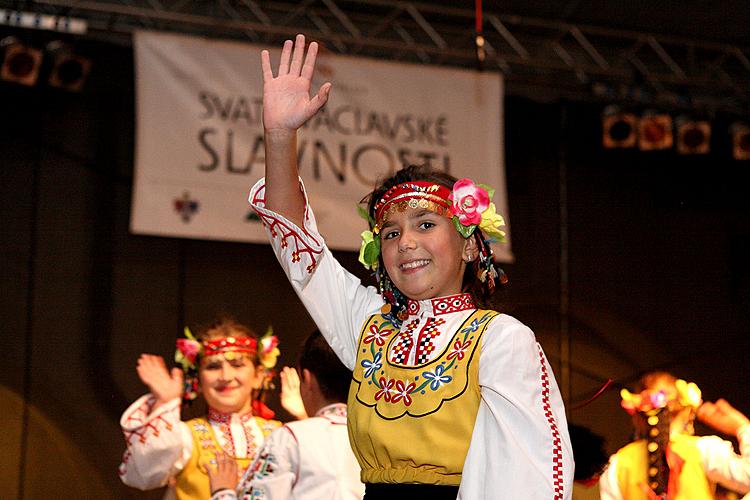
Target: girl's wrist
{"points": [[280, 133]]}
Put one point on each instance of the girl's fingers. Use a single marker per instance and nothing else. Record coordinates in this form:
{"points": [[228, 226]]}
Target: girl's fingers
{"points": [[286, 53], [299, 52], [309, 67], [265, 63], [320, 99]]}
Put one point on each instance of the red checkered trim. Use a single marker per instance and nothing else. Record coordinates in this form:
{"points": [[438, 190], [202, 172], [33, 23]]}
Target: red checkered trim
{"points": [[557, 461], [144, 427], [425, 345], [402, 346], [288, 233]]}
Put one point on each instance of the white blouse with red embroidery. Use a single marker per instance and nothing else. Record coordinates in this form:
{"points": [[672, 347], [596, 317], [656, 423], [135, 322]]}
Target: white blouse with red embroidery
{"points": [[159, 444], [309, 459], [520, 446]]}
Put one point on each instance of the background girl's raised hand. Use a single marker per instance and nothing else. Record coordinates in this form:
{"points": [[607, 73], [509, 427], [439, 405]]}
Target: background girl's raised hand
{"points": [[286, 98], [165, 386], [722, 416], [291, 399]]}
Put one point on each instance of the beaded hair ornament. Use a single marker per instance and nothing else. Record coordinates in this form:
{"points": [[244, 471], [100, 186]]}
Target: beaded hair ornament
{"points": [[190, 353], [656, 408], [467, 205]]}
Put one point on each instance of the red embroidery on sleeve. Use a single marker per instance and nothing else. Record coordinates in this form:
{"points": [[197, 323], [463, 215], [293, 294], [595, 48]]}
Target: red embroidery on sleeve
{"points": [[145, 428], [288, 233], [557, 463]]}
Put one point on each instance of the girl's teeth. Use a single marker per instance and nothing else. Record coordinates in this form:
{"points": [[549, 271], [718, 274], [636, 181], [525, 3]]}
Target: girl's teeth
{"points": [[412, 265]]}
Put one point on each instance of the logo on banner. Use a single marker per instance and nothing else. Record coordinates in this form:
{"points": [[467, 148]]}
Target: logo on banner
{"points": [[186, 206]]}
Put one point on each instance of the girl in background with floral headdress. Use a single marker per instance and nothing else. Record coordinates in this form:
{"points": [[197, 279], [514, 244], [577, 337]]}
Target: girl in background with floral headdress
{"points": [[447, 399], [228, 365], [667, 461]]}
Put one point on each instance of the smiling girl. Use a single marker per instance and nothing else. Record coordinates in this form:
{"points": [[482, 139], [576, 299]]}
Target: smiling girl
{"points": [[447, 399], [231, 366]]}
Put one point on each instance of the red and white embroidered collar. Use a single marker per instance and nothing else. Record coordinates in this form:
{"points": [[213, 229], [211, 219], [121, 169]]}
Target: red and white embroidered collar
{"points": [[442, 305], [223, 418]]}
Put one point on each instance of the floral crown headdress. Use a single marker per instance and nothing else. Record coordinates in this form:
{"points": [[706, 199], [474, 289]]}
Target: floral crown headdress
{"points": [[468, 205], [190, 352], [650, 401]]}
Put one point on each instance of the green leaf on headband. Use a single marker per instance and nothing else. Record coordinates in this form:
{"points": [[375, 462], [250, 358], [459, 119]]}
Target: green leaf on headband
{"points": [[490, 191], [366, 216], [370, 250], [464, 231], [188, 333]]}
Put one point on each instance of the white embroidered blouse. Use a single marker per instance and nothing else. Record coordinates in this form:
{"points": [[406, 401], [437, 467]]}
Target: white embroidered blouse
{"points": [[305, 460], [159, 444]]}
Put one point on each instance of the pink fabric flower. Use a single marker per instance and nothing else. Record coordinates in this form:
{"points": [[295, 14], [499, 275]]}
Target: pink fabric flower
{"points": [[189, 348], [469, 201]]}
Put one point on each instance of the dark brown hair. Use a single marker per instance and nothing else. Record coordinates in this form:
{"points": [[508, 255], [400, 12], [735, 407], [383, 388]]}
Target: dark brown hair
{"points": [[332, 376]]}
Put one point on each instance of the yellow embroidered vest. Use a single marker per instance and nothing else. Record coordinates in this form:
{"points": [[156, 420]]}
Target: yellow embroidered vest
{"points": [[632, 474], [192, 482], [414, 424]]}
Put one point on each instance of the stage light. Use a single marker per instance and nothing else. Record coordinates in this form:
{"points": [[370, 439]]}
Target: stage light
{"points": [[655, 131], [693, 136], [618, 128], [69, 70], [740, 141], [21, 63]]}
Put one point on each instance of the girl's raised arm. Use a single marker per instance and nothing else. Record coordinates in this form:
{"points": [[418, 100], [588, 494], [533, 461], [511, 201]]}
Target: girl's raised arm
{"points": [[286, 107]]}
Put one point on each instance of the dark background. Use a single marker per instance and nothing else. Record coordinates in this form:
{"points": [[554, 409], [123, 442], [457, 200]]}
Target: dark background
{"points": [[657, 272]]}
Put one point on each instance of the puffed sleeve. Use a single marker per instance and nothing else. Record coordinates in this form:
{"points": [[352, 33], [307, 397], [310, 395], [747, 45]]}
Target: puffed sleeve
{"points": [[275, 470], [723, 465], [520, 446], [158, 443], [335, 299]]}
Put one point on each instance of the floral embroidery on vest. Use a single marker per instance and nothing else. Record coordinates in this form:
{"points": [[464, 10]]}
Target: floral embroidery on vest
{"points": [[394, 390]]}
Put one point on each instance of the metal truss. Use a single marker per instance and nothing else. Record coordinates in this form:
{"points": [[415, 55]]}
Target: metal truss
{"points": [[546, 58]]}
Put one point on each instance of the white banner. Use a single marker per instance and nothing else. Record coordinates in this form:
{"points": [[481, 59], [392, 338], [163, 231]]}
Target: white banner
{"points": [[199, 142]]}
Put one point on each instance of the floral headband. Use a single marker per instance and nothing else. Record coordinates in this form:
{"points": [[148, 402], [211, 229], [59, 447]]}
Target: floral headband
{"points": [[190, 351], [468, 205], [650, 401]]}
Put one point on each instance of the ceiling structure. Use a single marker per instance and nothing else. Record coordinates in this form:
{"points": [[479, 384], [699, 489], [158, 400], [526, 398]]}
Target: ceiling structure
{"points": [[679, 55]]}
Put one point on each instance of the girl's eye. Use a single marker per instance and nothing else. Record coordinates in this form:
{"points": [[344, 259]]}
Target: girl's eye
{"points": [[237, 363], [390, 235], [426, 224], [212, 366]]}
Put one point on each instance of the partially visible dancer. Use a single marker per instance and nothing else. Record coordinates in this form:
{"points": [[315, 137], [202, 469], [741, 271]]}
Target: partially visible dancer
{"points": [[591, 459], [228, 365], [448, 399], [667, 460], [310, 459]]}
